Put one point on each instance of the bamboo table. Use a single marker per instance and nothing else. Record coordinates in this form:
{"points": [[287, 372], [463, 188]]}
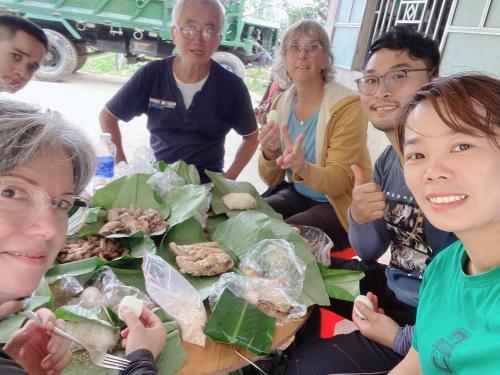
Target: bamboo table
{"points": [[218, 359]]}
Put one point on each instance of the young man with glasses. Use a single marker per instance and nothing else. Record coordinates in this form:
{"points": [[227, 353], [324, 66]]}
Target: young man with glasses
{"points": [[22, 48], [383, 215], [191, 101]]}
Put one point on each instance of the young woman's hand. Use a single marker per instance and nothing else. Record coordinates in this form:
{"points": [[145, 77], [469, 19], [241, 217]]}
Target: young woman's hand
{"points": [[376, 326], [146, 332]]}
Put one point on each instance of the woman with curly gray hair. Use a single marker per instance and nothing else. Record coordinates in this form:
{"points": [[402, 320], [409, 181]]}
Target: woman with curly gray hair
{"points": [[319, 132]]}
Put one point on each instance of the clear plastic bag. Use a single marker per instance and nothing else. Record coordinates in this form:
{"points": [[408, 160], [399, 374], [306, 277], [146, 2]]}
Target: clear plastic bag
{"points": [[264, 293], [276, 259], [321, 245], [65, 289], [167, 287], [164, 182], [113, 290], [142, 162], [106, 291]]}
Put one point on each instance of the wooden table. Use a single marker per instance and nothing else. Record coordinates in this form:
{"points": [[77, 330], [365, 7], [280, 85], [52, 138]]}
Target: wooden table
{"points": [[215, 358]]}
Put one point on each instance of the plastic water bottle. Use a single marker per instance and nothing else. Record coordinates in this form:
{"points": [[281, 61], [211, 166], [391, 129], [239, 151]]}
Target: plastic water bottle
{"points": [[106, 153]]}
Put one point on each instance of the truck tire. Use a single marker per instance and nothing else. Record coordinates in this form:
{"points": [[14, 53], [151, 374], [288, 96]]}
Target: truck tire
{"points": [[61, 59], [81, 50], [230, 62]]}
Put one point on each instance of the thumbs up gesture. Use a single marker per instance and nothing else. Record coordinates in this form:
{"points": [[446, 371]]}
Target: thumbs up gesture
{"points": [[293, 157], [368, 203]]}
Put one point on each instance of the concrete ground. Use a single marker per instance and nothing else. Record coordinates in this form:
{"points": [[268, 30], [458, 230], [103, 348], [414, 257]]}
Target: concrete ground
{"points": [[83, 95]]}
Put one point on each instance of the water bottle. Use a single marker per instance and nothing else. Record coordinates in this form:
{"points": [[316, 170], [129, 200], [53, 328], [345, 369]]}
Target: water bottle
{"points": [[105, 152]]}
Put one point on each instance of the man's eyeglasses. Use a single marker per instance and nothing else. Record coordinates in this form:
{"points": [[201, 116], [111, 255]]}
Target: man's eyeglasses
{"points": [[22, 204], [311, 49], [189, 32], [393, 81]]}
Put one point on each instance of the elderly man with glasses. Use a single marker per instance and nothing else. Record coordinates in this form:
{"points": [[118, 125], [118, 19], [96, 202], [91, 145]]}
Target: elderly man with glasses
{"points": [[191, 102], [383, 215]]}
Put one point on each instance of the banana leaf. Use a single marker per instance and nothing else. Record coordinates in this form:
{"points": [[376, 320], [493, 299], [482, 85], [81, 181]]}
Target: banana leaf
{"points": [[223, 186], [93, 224], [187, 171], [341, 284], [138, 243], [127, 269], [213, 221], [235, 321], [77, 314], [186, 202], [130, 190], [240, 233], [188, 232]]}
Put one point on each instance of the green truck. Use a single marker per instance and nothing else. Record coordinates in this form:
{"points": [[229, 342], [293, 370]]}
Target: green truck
{"points": [[77, 29]]}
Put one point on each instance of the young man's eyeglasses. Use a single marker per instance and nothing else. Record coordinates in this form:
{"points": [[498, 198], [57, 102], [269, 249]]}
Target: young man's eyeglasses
{"points": [[393, 80], [189, 32], [310, 49], [22, 204]]}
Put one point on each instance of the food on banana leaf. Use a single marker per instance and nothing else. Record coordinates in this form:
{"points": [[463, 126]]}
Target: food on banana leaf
{"points": [[202, 259], [132, 220], [94, 335], [91, 298], [133, 303], [239, 201], [104, 248], [269, 298]]}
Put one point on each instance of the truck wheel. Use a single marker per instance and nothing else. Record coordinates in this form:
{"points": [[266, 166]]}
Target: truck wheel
{"points": [[61, 58], [81, 50], [230, 62]]}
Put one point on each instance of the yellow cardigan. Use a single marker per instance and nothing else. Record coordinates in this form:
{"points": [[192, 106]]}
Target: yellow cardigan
{"points": [[341, 136]]}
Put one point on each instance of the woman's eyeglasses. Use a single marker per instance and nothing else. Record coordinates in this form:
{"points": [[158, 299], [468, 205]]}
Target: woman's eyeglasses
{"points": [[22, 204], [310, 49]]}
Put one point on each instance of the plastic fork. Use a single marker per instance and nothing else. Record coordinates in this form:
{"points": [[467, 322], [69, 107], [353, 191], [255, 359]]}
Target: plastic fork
{"points": [[99, 358]]}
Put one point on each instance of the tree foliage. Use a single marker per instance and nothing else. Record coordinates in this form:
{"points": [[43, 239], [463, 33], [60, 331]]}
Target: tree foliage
{"points": [[288, 12]]}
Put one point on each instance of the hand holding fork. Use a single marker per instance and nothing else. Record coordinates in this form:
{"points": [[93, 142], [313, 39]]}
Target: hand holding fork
{"points": [[99, 358], [36, 349]]}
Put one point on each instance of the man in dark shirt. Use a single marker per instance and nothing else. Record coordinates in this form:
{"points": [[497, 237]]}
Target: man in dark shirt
{"points": [[191, 101]]}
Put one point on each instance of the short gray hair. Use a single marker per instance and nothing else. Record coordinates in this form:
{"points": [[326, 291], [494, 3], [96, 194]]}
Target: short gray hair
{"points": [[314, 30], [181, 4], [26, 133]]}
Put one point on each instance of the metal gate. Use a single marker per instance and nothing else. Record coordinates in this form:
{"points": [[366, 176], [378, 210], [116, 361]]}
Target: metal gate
{"points": [[426, 16]]}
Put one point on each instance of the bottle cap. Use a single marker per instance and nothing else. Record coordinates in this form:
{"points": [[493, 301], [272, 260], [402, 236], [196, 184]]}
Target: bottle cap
{"points": [[105, 137]]}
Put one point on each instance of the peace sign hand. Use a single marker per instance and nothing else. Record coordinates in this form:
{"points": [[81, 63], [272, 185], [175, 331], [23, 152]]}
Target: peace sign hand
{"points": [[293, 157]]}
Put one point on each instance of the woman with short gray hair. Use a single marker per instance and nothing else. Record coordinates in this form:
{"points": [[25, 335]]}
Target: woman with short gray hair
{"points": [[321, 133], [45, 162]]}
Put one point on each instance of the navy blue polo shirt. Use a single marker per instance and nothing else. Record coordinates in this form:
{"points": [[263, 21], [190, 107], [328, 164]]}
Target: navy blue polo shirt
{"points": [[195, 134]]}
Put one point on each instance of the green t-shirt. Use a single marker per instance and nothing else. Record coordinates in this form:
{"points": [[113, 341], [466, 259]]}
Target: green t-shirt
{"points": [[458, 318]]}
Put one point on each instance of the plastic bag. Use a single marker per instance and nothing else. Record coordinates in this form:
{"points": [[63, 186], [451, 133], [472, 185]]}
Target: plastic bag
{"points": [[164, 182], [106, 291], [114, 290], [276, 259], [142, 162], [169, 289], [64, 290], [321, 245], [264, 293]]}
